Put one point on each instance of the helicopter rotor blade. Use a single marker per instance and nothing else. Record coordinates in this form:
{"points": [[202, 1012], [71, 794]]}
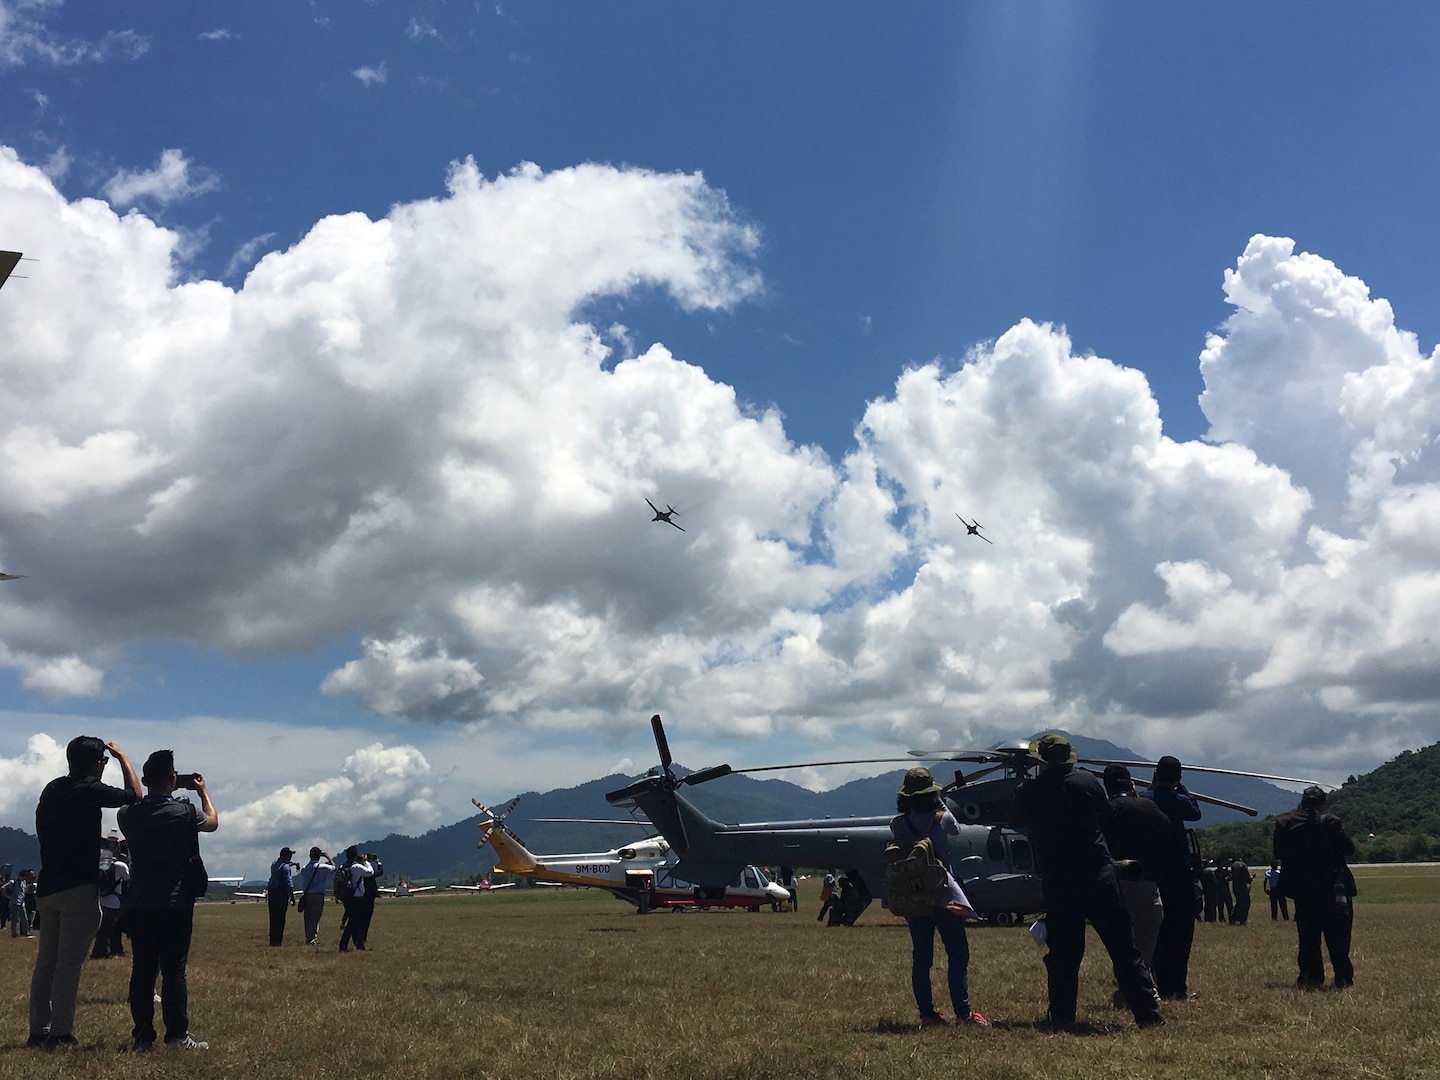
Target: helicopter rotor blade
{"points": [[712, 773], [594, 821], [817, 764], [661, 743], [1227, 805], [961, 780], [1205, 769], [629, 791], [970, 754]]}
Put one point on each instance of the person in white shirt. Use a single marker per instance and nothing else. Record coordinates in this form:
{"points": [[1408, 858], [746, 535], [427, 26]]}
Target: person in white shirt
{"points": [[110, 939], [359, 904]]}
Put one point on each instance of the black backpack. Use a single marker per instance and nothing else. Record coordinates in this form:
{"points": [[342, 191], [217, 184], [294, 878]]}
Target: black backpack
{"points": [[344, 887]]}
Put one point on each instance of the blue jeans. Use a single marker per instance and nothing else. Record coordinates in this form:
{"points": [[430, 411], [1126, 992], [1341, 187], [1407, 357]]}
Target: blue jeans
{"points": [[922, 957]]}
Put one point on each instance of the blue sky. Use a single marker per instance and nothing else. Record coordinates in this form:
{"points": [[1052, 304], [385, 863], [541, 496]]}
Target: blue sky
{"points": [[939, 191]]}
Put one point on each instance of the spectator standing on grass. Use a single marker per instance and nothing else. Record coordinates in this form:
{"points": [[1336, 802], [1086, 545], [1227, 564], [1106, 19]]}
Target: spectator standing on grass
{"points": [[1064, 811], [1222, 883], [1240, 878], [67, 823], [828, 897], [1271, 884], [20, 889], [315, 881], [109, 939], [1210, 887], [922, 813], [4, 895], [1136, 835], [278, 893], [1176, 880], [361, 874], [163, 834], [1311, 847]]}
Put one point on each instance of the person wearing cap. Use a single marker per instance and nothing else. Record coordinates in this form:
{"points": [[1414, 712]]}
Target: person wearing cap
{"points": [[1175, 878], [1311, 847], [1064, 812], [278, 893], [67, 824], [315, 881], [163, 834], [921, 812], [1136, 836]]}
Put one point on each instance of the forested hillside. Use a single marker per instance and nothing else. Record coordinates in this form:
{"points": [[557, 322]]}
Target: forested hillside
{"points": [[1392, 814]]}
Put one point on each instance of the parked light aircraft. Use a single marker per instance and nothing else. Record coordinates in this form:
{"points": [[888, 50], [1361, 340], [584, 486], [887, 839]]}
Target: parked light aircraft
{"points": [[994, 863], [641, 873], [404, 889], [486, 885]]}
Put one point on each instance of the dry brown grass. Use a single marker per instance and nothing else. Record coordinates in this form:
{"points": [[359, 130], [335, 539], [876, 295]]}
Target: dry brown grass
{"points": [[575, 985]]}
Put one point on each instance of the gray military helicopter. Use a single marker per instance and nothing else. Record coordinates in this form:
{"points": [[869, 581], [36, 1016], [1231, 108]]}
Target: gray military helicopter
{"points": [[993, 862]]}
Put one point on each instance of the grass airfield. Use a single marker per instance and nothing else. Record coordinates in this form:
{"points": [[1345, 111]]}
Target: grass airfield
{"points": [[573, 984]]}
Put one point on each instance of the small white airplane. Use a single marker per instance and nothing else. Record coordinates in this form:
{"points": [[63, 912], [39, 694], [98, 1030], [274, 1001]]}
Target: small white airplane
{"points": [[641, 873], [404, 889], [486, 885], [228, 881]]}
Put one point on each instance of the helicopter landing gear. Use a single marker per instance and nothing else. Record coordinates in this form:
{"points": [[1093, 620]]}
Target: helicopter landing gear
{"points": [[1004, 918]]}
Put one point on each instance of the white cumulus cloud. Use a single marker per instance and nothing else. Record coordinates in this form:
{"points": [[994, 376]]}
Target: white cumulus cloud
{"points": [[407, 433]]}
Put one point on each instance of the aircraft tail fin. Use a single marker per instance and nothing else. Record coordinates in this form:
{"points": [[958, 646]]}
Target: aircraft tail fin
{"points": [[510, 850]]}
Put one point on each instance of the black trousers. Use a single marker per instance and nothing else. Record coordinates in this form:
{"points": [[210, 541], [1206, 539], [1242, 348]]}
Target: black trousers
{"points": [[1316, 917], [279, 901], [108, 939], [1069, 901], [1171, 962], [358, 912], [1278, 907], [159, 942]]}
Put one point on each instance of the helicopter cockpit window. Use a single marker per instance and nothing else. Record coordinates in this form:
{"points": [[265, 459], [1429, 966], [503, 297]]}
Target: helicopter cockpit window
{"points": [[995, 846], [1020, 855], [748, 878]]}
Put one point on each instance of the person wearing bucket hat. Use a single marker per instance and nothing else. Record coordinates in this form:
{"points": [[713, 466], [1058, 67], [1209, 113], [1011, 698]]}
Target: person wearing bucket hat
{"points": [[921, 812], [1175, 878], [1064, 810], [278, 893]]}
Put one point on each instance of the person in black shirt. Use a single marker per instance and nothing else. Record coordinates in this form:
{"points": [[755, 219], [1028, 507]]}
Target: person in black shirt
{"points": [[1137, 835], [1063, 810], [162, 833], [67, 823], [1311, 847], [1176, 880]]}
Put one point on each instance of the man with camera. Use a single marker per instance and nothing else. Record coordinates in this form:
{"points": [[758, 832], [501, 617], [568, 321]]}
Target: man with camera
{"points": [[362, 872], [314, 888], [278, 893], [67, 823], [163, 834]]}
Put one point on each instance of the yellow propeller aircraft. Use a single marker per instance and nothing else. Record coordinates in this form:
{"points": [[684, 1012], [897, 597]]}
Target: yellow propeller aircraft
{"points": [[641, 873]]}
